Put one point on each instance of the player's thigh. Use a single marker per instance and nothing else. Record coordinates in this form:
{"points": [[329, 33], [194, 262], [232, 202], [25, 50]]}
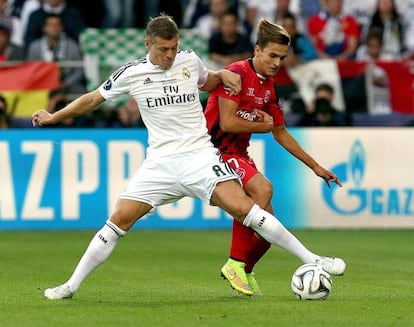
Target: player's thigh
{"points": [[255, 184], [230, 196], [260, 189], [201, 171], [155, 183]]}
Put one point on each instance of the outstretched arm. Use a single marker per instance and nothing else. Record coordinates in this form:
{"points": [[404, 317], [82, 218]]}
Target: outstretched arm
{"points": [[285, 139], [82, 105], [231, 80]]}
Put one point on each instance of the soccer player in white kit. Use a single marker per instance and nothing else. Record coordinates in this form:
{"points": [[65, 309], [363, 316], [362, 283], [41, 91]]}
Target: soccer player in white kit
{"points": [[181, 160]]}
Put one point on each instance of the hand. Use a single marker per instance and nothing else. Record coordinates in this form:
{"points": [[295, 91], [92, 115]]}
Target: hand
{"points": [[40, 117], [263, 117], [328, 176]]}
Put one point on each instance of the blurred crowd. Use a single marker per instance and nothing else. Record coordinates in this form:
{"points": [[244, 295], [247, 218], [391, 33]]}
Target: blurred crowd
{"points": [[368, 30]]}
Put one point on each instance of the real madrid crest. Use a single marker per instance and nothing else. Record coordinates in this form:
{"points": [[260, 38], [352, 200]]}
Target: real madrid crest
{"points": [[186, 73]]}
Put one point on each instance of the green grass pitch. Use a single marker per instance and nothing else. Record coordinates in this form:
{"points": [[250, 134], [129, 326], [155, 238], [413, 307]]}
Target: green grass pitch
{"points": [[171, 278]]}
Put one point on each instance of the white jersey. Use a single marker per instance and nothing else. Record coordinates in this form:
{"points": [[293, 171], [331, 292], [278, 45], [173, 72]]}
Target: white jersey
{"points": [[168, 100]]}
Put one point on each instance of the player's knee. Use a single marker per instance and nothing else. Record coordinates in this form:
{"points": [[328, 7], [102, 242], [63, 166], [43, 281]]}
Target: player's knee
{"points": [[266, 190], [262, 193], [122, 219]]}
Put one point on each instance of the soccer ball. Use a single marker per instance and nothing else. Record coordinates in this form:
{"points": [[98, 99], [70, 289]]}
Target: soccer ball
{"points": [[311, 282]]}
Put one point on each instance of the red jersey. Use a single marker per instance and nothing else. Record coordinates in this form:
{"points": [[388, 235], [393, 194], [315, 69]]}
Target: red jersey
{"points": [[258, 93]]}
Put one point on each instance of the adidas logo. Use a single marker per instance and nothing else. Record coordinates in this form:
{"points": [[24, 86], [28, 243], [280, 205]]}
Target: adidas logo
{"points": [[147, 81]]}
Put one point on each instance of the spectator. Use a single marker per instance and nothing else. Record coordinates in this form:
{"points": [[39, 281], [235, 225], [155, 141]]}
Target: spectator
{"points": [[229, 45], [406, 10], [273, 11], [145, 9], [73, 22], [92, 11], [321, 112], [301, 48], [197, 8], [56, 106], [119, 13], [11, 22], [323, 115], [173, 8], [56, 96], [377, 81], [5, 119], [387, 19], [308, 8], [8, 50], [58, 99], [209, 23], [55, 46], [127, 116], [23, 12], [362, 11], [334, 34], [372, 48], [404, 6], [284, 7]]}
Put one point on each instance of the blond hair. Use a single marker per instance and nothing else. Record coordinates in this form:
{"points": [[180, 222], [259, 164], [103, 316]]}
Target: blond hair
{"points": [[162, 26], [268, 32]]}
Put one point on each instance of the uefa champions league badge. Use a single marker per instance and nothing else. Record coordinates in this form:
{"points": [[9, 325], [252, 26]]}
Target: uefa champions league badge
{"points": [[108, 84], [186, 73]]}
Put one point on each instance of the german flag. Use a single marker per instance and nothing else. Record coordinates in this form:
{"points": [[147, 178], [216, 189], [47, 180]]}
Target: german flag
{"points": [[26, 86]]}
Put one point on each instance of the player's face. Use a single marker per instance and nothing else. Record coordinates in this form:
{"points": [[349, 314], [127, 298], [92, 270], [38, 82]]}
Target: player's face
{"points": [[162, 52], [267, 61]]}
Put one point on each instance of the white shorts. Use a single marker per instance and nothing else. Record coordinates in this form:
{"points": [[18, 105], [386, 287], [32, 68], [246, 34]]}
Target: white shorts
{"points": [[168, 179]]}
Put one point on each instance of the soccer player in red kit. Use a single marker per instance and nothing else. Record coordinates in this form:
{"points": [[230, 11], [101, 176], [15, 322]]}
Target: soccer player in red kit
{"points": [[231, 120]]}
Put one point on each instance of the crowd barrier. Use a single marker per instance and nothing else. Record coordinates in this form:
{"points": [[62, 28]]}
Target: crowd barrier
{"points": [[70, 179]]}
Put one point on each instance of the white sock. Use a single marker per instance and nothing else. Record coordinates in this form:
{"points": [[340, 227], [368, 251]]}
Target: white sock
{"points": [[271, 229], [99, 249]]}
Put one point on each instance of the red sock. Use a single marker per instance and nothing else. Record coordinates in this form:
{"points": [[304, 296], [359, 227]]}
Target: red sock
{"points": [[240, 241], [258, 247]]}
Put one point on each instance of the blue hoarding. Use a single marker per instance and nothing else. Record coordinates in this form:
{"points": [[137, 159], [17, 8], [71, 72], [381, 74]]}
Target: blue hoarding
{"points": [[70, 179]]}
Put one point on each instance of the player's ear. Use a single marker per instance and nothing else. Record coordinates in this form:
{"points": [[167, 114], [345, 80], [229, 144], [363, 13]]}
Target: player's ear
{"points": [[256, 50], [147, 43]]}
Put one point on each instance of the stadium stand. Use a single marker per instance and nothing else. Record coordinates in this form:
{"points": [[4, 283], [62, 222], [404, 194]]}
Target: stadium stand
{"points": [[107, 49]]}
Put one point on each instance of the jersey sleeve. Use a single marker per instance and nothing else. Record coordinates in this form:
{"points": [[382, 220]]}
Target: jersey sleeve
{"points": [[116, 84], [202, 72]]}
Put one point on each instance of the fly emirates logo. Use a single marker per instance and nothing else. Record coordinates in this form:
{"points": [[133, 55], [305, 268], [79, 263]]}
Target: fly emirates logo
{"points": [[171, 96]]}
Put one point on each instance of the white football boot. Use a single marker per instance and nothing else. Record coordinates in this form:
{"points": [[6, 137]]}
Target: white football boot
{"points": [[333, 266], [59, 292]]}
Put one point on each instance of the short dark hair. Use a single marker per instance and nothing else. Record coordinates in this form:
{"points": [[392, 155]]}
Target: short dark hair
{"points": [[4, 101], [54, 16], [162, 26], [289, 15], [375, 33], [325, 87], [5, 30], [230, 12]]}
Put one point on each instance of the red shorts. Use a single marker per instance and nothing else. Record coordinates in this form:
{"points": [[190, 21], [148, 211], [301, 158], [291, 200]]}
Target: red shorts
{"points": [[243, 166]]}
